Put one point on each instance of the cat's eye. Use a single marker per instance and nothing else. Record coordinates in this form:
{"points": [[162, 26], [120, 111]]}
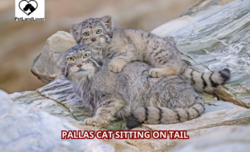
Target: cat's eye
{"points": [[86, 55], [70, 59], [99, 31], [86, 34]]}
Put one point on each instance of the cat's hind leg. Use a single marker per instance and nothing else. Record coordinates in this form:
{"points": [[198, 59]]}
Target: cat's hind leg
{"points": [[164, 57], [125, 55], [159, 72]]}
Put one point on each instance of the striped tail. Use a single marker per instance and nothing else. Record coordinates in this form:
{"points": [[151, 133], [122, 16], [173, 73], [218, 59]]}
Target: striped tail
{"points": [[206, 81], [202, 81], [162, 115]]}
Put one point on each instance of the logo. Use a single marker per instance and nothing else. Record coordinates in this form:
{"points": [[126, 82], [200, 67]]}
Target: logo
{"points": [[28, 7], [29, 10]]}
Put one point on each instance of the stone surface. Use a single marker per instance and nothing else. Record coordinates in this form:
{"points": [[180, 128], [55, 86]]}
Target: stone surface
{"points": [[230, 139], [214, 38], [163, 145], [202, 5], [56, 98], [47, 65], [29, 130]]}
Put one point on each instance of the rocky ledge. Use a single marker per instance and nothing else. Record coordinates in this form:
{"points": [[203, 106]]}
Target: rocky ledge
{"points": [[211, 34]]}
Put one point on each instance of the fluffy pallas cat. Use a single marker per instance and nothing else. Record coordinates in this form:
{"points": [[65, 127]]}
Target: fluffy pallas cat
{"points": [[124, 46], [131, 94]]}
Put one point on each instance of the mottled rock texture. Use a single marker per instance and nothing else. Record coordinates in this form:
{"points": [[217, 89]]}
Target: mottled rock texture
{"points": [[56, 99], [47, 65], [214, 38], [31, 130], [230, 139]]}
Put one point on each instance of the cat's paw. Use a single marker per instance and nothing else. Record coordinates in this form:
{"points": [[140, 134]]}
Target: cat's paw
{"points": [[160, 72], [157, 72], [96, 122], [116, 66]]}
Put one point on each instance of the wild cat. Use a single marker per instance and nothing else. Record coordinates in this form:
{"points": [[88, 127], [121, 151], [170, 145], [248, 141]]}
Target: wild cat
{"points": [[127, 45], [131, 94]]}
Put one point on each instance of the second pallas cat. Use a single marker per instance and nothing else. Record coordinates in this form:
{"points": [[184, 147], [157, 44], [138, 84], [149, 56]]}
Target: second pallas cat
{"points": [[127, 45]]}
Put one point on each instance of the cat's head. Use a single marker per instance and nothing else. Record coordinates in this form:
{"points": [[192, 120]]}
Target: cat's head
{"points": [[78, 64], [93, 30]]}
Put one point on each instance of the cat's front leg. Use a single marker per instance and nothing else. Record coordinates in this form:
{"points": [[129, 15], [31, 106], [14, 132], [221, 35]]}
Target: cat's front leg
{"points": [[105, 112]]}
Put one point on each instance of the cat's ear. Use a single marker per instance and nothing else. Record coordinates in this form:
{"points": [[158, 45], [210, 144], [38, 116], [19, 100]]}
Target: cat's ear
{"points": [[75, 32], [108, 23]]}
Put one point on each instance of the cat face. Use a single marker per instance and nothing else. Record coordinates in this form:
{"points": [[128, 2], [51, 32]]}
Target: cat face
{"points": [[78, 63], [93, 30]]}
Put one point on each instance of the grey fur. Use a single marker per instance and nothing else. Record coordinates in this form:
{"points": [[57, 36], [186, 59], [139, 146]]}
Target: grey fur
{"points": [[125, 46], [169, 99]]}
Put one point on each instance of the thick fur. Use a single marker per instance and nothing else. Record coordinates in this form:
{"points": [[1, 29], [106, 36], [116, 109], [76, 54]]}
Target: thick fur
{"points": [[125, 46], [206, 81], [131, 94]]}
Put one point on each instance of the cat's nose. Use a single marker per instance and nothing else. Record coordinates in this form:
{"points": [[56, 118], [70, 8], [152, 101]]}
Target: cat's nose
{"points": [[93, 39], [79, 65]]}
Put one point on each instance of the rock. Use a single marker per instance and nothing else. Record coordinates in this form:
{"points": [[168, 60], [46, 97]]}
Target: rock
{"points": [[230, 139], [56, 98], [28, 129], [202, 5], [163, 145], [168, 27], [215, 38], [47, 65]]}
